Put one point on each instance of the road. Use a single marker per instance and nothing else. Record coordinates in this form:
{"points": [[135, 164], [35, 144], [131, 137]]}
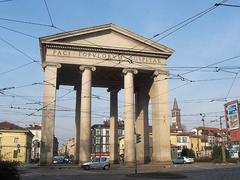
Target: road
{"points": [[197, 171]]}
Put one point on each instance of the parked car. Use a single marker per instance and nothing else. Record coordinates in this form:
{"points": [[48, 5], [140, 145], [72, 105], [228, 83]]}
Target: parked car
{"points": [[183, 160], [97, 163], [58, 160]]}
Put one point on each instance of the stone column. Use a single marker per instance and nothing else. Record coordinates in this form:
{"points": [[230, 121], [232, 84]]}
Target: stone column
{"points": [[48, 113], [77, 123], [129, 138], [113, 125], [160, 124], [85, 114], [141, 107]]}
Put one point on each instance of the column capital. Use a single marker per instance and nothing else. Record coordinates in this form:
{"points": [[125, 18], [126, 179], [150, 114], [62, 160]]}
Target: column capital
{"points": [[44, 65], [125, 71], [92, 68], [113, 89], [161, 72]]}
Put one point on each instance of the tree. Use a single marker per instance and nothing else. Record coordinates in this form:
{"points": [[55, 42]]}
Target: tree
{"points": [[188, 153], [217, 153]]}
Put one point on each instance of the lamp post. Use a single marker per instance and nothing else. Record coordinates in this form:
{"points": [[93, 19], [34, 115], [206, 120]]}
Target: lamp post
{"points": [[222, 144], [204, 137]]}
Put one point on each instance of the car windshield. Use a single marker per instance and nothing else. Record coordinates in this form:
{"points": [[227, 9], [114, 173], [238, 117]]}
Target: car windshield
{"points": [[57, 158], [180, 158], [99, 159], [95, 159]]}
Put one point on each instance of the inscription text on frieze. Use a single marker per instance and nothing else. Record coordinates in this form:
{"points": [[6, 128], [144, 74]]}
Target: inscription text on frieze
{"points": [[104, 56]]}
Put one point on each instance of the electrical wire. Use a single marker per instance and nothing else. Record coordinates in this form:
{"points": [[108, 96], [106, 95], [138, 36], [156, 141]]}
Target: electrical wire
{"points": [[19, 32]]}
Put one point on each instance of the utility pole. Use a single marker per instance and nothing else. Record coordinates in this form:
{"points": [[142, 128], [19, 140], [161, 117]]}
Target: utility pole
{"points": [[222, 145], [204, 136]]}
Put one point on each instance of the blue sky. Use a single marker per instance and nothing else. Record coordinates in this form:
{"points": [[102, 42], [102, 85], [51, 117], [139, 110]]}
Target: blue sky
{"points": [[211, 38]]}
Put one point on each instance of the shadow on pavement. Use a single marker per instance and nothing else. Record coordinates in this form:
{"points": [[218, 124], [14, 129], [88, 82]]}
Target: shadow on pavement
{"points": [[166, 175]]}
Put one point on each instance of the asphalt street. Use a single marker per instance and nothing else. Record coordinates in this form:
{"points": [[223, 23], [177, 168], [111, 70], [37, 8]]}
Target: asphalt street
{"points": [[195, 171]]}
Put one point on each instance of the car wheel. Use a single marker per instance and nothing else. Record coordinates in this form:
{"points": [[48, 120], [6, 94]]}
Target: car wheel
{"points": [[86, 167], [106, 167]]}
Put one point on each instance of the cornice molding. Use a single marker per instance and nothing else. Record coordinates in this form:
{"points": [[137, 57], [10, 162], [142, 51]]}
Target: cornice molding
{"points": [[67, 46]]}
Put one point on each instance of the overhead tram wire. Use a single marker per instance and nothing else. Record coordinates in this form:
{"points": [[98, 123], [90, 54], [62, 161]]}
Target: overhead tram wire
{"points": [[20, 51], [228, 5], [219, 62], [187, 21], [48, 13], [19, 32], [184, 23], [235, 77], [3, 1], [26, 22], [190, 20], [16, 68], [93, 43], [50, 17]]}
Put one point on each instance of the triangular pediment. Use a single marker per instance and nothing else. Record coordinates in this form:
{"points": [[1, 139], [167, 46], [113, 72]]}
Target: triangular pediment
{"points": [[107, 36]]}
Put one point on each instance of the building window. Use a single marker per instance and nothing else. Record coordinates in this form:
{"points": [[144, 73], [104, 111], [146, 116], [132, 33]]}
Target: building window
{"points": [[179, 139], [97, 148], [120, 132], [98, 132], [184, 139], [16, 139], [107, 140], [15, 153], [107, 148], [98, 140], [107, 132]]}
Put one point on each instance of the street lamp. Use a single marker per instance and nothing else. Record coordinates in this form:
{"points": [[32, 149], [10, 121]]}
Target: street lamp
{"points": [[203, 120], [222, 144]]}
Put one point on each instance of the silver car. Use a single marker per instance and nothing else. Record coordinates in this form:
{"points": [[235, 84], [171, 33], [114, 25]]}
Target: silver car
{"points": [[97, 163], [183, 160]]}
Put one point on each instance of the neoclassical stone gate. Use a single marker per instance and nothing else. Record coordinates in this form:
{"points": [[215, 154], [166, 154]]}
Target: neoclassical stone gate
{"points": [[115, 58]]}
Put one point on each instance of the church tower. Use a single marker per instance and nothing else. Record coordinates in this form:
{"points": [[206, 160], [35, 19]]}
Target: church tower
{"points": [[176, 116]]}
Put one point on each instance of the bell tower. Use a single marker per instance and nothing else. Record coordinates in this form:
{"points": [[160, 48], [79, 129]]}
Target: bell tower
{"points": [[176, 116]]}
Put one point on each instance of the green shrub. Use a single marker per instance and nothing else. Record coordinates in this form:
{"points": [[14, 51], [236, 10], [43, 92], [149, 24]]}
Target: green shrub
{"points": [[203, 159], [217, 153], [188, 153], [217, 161], [232, 160]]}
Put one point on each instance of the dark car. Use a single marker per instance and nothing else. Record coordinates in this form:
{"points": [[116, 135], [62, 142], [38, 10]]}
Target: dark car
{"points": [[58, 160]]}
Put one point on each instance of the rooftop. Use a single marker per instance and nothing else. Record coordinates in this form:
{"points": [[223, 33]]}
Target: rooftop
{"points": [[10, 126]]}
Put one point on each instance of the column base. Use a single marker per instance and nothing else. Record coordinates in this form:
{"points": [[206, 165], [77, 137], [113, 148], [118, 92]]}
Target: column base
{"points": [[76, 162], [114, 161], [129, 164], [164, 163]]}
